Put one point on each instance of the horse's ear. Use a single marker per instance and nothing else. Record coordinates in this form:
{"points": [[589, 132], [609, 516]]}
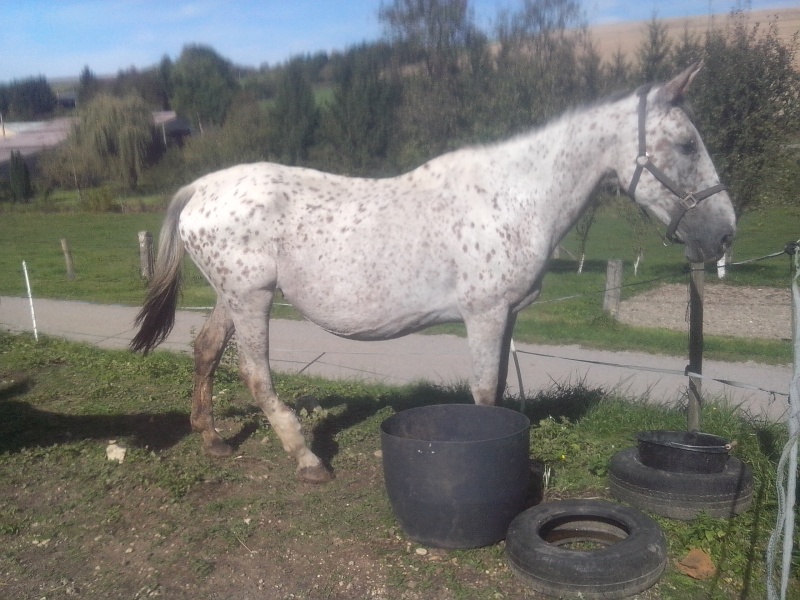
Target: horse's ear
{"points": [[674, 91]]}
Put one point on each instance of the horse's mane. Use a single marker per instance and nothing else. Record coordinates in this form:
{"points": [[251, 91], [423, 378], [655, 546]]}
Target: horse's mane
{"points": [[613, 97], [610, 98]]}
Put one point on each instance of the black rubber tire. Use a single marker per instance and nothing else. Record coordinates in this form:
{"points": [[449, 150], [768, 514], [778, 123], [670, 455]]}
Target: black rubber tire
{"points": [[632, 557], [681, 496]]}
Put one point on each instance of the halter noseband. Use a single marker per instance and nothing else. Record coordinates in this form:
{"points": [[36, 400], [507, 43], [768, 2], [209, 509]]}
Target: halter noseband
{"points": [[688, 200]]}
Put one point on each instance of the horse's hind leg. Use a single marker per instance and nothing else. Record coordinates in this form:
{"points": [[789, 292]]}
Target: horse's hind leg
{"points": [[209, 345], [252, 331]]}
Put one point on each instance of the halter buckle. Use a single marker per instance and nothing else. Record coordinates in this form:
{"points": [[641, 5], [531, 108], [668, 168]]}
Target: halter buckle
{"points": [[689, 201], [643, 159]]}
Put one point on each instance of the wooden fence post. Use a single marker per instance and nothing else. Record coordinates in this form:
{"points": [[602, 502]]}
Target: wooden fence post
{"points": [[68, 259], [696, 289], [146, 254], [613, 288]]}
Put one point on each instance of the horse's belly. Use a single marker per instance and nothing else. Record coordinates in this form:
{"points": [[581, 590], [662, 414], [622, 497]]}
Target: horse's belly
{"points": [[370, 310], [356, 327]]}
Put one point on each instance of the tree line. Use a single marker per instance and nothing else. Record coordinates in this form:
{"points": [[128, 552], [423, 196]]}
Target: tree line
{"points": [[435, 81]]}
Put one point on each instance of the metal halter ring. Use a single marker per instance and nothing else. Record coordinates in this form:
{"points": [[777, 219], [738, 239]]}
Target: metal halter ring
{"points": [[689, 201]]}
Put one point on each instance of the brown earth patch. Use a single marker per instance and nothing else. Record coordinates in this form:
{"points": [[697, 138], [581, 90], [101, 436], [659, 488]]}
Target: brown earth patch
{"points": [[728, 310]]}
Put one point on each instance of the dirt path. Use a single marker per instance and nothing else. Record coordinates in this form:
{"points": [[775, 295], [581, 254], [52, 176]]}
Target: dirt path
{"points": [[728, 310], [302, 346]]}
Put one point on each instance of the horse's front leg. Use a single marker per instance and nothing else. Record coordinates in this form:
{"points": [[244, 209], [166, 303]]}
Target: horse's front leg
{"points": [[209, 346], [489, 337], [252, 332]]}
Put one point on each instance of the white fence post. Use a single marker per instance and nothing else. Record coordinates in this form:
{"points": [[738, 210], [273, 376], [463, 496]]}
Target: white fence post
{"points": [[30, 300]]}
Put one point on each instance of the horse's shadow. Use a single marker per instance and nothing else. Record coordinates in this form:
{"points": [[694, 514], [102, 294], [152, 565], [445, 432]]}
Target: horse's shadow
{"points": [[24, 426], [570, 402]]}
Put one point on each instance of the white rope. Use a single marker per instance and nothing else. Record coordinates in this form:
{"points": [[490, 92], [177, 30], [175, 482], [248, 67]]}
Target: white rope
{"points": [[684, 373], [787, 466]]}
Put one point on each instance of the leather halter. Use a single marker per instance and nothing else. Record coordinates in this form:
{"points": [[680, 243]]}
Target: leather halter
{"points": [[688, 200]]}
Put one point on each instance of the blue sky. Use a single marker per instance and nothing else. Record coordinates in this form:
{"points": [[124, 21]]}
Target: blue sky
{"points": [[57, 38]]}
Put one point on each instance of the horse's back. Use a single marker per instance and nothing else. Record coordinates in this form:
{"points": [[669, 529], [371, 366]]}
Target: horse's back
{"points": [[361, 257]]}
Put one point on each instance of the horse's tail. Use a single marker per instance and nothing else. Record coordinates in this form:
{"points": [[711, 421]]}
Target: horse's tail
{"points": [[157, 316]]}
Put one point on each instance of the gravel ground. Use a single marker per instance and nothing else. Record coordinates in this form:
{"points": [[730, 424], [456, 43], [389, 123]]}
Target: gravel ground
{"points": [[728, 310]]}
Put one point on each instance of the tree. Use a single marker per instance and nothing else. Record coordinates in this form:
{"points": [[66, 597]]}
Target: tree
{"points": [[638, 220], [438, 30], [28, 99], [5, 100], [442, 61], [19, 178], [113, 135], [537, 62], [69, 165], [203, 86], [619, 72], [165, 82], [584, 226], [654, 52], [147, 84], [747, 100], [359, 120], [295, 115], [245, 137], [88, 86], [688, 50], [592, 78]]}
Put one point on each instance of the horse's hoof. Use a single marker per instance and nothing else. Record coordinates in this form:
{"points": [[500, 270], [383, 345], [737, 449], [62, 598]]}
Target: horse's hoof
{"points": [[316, 475], [217, 449]]}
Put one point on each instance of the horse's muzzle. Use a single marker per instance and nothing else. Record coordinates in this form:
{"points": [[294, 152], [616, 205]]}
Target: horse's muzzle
{"points": [[709, 247]]}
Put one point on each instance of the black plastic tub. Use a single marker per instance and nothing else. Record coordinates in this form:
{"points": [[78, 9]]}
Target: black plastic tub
{"points": [[683, 451], [456, 474]]}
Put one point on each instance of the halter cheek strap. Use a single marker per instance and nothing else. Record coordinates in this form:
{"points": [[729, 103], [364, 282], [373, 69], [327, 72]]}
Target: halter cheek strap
{"points": [[688, 200]]}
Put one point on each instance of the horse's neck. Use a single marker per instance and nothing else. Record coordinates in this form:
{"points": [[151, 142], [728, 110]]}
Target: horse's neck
{"points": [[565, 161]]}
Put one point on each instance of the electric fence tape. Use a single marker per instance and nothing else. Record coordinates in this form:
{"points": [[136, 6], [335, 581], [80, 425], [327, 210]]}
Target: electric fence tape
{"points": [[787, 466]]}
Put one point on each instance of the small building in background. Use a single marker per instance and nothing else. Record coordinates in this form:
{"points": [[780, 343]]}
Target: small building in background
{"points": [[32, 138]]}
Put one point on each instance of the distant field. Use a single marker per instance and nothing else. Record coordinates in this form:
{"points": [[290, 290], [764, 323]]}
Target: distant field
{"points": [[627, 37]]}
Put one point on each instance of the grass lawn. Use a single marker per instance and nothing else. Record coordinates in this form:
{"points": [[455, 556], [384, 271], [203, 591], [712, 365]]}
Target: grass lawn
{"points": [[169, 522]]}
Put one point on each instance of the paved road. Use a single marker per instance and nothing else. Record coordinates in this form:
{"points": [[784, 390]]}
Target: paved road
{"points": [[299, 345]]}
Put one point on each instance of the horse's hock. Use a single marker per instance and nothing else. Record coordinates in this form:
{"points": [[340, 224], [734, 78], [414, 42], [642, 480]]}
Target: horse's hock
{"points": [[727, 310]]}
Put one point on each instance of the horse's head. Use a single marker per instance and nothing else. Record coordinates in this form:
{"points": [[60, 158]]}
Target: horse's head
{"points": [[668, 171]]}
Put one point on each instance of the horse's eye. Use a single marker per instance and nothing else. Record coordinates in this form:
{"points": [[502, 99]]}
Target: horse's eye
{"points": [[688, 147]]}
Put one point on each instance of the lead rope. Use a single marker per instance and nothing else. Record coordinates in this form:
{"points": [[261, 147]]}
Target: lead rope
{"points": [[787, 466]]}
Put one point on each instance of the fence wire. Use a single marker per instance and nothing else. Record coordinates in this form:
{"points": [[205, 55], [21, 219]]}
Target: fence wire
{"points": [[787, 466]]}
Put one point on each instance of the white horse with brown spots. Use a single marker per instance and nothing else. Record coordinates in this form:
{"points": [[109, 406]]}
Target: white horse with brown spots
{"points": [[465, 237]]}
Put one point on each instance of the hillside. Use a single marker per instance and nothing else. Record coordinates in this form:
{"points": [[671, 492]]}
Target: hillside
{"points": [[630, 35]]}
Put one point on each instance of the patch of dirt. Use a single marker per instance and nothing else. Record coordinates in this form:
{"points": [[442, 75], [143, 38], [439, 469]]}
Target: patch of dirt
{"points": [[727, 310]]}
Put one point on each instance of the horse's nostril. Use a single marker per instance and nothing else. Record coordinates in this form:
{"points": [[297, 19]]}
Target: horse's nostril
{"points": [[727, 240]]}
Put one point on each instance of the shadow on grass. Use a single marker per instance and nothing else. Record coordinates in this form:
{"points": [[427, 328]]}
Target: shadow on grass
{"points": [[570, 402], [23, 426]]}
